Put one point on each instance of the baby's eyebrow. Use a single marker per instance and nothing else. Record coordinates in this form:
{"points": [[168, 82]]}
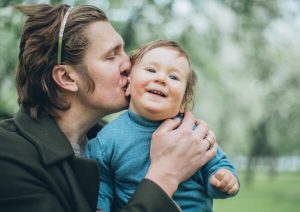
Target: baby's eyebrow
{"points": [[152, 63]]}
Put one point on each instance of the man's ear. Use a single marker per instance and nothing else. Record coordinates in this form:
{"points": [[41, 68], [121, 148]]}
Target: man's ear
{"points": [[64, 75], [127, 92]]}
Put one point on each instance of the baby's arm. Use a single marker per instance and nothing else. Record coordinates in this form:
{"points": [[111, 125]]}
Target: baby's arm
{"points": [[220, 176]]}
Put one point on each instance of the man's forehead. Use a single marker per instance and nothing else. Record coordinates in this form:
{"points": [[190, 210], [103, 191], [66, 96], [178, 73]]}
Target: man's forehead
{"points": [[112, 40], [102, 33], [115, 41]]}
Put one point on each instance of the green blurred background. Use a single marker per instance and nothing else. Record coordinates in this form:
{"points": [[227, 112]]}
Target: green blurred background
{"points": [[247, 57]]}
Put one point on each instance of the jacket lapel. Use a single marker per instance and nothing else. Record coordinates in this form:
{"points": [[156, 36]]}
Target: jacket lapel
{"points": [[87, 172], [52, 144], [54, 147]]}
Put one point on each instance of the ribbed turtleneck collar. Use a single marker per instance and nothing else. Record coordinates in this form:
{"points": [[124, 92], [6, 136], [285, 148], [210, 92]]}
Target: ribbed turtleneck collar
{"points": [[142, 121]]}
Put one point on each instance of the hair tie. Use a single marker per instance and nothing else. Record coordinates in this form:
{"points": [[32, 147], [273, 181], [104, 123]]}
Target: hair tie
{"points": [[61, 33]]}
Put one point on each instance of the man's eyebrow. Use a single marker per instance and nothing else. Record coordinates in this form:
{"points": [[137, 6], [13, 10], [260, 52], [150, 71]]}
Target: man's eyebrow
{"points": [[117, 46]]}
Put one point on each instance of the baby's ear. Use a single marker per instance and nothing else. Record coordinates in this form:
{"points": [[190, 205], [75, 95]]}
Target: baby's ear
{"points": [[183, 108], [127, 91]]}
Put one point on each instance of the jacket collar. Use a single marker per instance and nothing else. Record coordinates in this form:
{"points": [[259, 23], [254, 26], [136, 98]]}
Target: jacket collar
{"points": [[49, 140]]}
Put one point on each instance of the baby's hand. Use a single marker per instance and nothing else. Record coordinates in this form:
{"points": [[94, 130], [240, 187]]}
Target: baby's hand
{"points": [[225, 180]]}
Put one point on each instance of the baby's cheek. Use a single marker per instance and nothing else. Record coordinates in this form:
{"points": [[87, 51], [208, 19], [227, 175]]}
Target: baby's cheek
{"points": [[140, 86], [136, 90]]}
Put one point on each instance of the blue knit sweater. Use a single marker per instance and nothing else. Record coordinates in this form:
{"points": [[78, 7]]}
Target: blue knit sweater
{"points": [[122, 149]]}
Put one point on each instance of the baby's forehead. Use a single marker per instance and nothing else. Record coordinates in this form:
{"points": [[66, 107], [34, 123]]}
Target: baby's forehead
{"points": [[160, 54], [164, 49]]}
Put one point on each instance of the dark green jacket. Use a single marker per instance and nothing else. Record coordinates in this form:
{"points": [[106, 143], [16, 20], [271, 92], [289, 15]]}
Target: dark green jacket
{"points": [[39, 172]]}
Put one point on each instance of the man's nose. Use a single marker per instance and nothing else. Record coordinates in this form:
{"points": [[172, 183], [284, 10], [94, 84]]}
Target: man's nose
{"points": [[125, 65]]}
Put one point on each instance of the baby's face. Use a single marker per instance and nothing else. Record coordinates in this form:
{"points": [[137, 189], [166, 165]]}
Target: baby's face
{"points": [[158, 83]]}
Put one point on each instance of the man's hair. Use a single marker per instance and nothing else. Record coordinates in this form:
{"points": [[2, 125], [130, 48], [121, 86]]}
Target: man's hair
{"points": [[137, 55], [37, 91]]}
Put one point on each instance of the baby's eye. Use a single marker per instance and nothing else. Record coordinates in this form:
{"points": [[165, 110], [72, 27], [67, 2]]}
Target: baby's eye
{"points": [[152, 70], [173, 77]]}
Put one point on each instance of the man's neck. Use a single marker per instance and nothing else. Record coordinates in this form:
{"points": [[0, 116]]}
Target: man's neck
{"points": [[75, 124]]}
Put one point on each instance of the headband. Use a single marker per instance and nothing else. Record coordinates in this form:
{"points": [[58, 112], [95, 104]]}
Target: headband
{"points": [[61, 33]]}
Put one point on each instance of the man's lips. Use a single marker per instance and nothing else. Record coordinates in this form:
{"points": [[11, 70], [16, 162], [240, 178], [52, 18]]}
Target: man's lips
{"points": [[125, 84]]}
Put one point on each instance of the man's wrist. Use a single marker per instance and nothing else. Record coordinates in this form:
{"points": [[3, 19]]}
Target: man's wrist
{"points": [[163, 179]]}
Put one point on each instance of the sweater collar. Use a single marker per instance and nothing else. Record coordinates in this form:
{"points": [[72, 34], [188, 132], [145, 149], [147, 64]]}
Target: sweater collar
{"points": [[142, 121], [49, 140]]}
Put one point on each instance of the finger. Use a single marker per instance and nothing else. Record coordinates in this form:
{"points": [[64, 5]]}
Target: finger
{"points": [[230, 184], [188, 121], [168, 125], [199, 121], [208, 142], [212, 151], [214, 181], [211, 137], [201, 131], [220, 174], [225, 181], [234, 188]]}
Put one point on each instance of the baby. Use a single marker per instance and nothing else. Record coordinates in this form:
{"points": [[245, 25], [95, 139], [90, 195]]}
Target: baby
{"points": [[160, 87]]}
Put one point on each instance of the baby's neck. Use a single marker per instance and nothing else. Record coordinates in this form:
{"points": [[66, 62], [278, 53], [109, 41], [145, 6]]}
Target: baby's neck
{"points": [[152, 115]]}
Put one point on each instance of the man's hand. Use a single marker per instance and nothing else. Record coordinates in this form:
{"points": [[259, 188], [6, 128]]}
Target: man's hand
{"points": [[177, 152], [225, 181]]}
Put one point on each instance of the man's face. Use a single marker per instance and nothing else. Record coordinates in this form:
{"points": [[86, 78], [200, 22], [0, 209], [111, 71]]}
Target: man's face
{"points": [[158, 83], [107, 65]]}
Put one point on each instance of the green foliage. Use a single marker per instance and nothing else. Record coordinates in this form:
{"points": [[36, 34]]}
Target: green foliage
{"points": [[246, 55], [265, 194], [10, 27], [6, 3]]}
